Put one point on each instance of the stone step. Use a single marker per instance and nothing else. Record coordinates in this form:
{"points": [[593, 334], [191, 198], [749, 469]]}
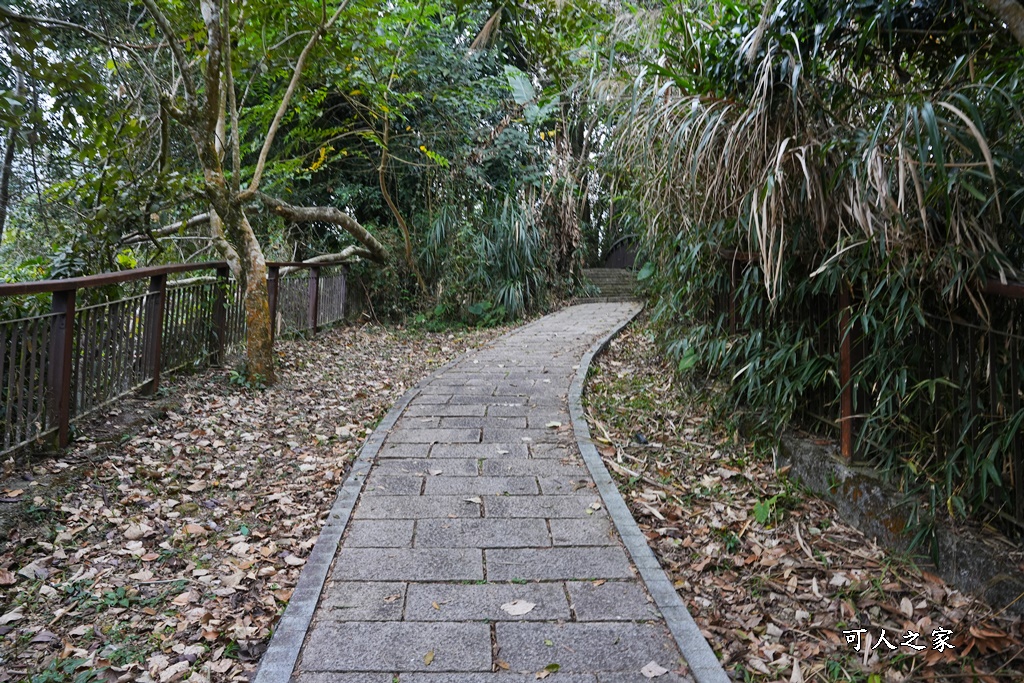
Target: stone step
{"points": [[611, 283]]}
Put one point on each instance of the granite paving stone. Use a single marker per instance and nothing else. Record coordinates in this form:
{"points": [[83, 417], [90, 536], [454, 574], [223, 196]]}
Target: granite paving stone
{"points": [[480, 450], [503, 400], [500, 677], [610, 601], [379, 533], [404, 450], [478, 602], [552, 451], [503, 466], [544, 507], [562, 485], [335, 677], [586, 647], [503, 435], [424, 399], [397, 646], [517, 410], [482, 533], [380, 484], [363, 601], [438, 410], [589, 530], [416, 507], [408, 564], [480, 486], [557, 563], [503, 422], [637, 677], [463, 467], [428, 435]]}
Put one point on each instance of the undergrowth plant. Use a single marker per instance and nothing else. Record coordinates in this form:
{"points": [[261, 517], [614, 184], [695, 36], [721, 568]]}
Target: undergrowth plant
{"points": [[782, 155]]}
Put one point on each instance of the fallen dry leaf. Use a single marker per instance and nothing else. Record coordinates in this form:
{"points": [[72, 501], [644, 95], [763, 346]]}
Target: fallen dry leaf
{"points": [[518, 608], [11, 617], [652, 670]]}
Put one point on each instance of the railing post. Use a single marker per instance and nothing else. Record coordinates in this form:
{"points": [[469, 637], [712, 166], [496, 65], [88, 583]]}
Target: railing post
{"points": [[153, 332], [313, 308], [1018, 440], [846, 362], [344, 291], [220, 317], [273, 278], [62, 336]]}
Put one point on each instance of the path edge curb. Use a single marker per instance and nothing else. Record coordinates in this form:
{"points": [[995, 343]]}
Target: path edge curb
{"points": [[704, 665], [278, 662]]}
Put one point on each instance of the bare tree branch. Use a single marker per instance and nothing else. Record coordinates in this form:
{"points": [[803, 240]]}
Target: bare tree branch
{"points": [[346, 255], [164, 231], [11, 15], [215, 39], [236, 154], [329, 214], [179, 54]]}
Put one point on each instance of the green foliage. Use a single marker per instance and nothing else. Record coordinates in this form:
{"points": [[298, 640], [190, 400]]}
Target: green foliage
{"points": [[843, 152], [487, 314], [66, 671], [243, 380], [435, 125]]}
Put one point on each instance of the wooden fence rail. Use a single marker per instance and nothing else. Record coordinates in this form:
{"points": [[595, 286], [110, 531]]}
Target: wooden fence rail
{"points": [[108, 335]]}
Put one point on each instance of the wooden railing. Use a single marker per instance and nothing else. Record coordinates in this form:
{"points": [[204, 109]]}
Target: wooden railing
{"points": [[106, 336]]}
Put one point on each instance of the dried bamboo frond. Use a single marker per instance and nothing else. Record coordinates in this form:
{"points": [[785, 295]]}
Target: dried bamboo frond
{"points": [[485, 38]]}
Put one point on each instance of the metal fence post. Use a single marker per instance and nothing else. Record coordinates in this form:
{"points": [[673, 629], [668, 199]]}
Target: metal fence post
{"points": [[344, 291], [153, 332], [219, 331], [62, 336], [846, 362], [273, 278], [313, 309]]}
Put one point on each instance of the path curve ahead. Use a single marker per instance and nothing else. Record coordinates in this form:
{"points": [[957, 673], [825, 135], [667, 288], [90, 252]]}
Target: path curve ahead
{"points": [[468, 504]]}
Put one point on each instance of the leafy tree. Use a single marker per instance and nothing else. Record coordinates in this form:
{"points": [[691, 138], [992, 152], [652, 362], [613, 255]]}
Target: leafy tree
{"points": [[194, 91]]}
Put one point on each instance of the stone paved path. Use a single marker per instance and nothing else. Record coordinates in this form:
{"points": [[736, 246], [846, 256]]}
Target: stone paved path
{"points": [[476, 500]]}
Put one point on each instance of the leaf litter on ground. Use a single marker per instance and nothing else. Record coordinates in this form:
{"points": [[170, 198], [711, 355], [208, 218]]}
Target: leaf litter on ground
{"points": [[167, 541], [770, 573]]}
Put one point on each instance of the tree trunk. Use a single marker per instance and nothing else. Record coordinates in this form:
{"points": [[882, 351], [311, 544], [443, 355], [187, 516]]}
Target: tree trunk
{"points": [[5, 178], [12, 139], [1009, 12], [259, 349]]}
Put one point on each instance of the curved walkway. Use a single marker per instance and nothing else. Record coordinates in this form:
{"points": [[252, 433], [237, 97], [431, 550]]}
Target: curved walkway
{"points": [[470, 543]]}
